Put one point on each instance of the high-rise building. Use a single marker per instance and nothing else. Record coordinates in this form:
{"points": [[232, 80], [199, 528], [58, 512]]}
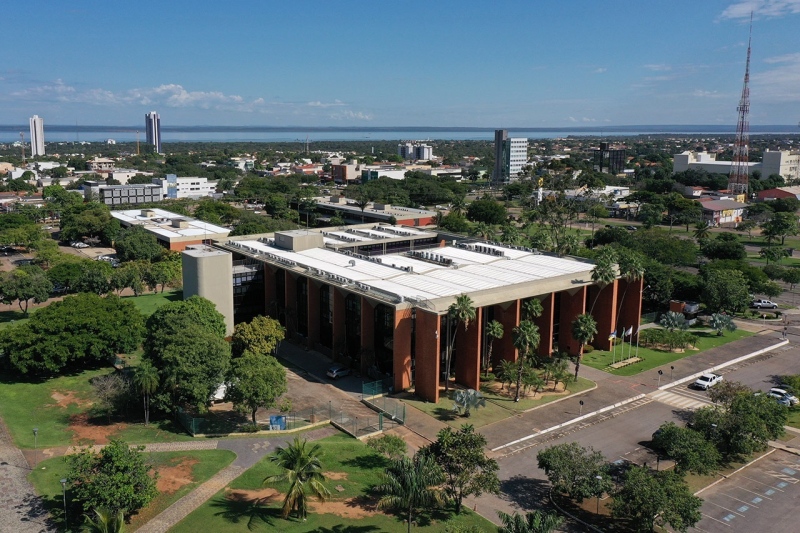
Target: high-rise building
{"points": [[510, 155], [37, 135], [414, 150], [152, 124], [610, 160]]}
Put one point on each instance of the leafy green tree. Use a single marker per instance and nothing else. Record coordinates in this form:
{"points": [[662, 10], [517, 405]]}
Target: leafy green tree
{"points": [[461, 312], [721, 323], [302, 469], [724, 393], [723, 246], [646, 499], [104, 520], [145, 379], [725, 290], [688, 448], [702, 230], [576, 471], [173, 316], [390, 446], [81, 330], [467, 470], [584, 328], [116, 478], [494, 330], [137, 244], [163, 273], [631, 269], [531, 522], [482, 230], [486, 210], [260, 336], [24, 284], [255, 381], [92, 219], [95, 278], [526, 340], [780, 225], [411, 485], [792, 277]]}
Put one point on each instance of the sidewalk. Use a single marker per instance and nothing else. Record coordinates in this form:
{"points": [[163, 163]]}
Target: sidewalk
{"points": [[613, 389]]}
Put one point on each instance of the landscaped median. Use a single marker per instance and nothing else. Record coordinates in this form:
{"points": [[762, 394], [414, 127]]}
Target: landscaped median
{"points": [[500, 404], [654, 357]]}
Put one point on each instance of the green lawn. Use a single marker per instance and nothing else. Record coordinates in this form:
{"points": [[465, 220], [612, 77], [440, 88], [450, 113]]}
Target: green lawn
{"points": [[46, 476], [25, 405], [247, 505], [601, 359], [147, 303], [529, 401], [794, 418]]}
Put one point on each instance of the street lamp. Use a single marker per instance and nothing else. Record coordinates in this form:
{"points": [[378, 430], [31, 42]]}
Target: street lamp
{"points": [[35, 442], [599, 479], [64, 493]]}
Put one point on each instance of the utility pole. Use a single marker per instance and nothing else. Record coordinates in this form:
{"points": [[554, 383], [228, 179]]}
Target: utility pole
{"points": [[137, 142], [22, 145]]}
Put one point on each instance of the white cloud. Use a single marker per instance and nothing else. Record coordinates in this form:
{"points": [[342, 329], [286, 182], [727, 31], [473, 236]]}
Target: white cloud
{"points": [[599, 70], [317, 103], [572, 119], [778, 84], [584, 119], [761, 9], [658, 67], [351, 115], [700, 93]]}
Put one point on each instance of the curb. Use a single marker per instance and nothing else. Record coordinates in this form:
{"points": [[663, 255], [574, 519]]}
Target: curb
{"points": [[569, 422], [724, 477], [723, 365]]}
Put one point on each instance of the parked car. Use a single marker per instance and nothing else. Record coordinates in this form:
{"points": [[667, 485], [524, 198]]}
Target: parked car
{"points": [[706, 381], [764, 304], [338, 371], [630, 228], [784, 397]]}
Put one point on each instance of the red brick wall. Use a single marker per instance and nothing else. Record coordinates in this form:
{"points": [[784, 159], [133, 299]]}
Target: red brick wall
{"points": [[545, 325], [427, 334], [572, 305], [401, 361], [508, 315], [468, 353], [605, 313], [313, 313]]}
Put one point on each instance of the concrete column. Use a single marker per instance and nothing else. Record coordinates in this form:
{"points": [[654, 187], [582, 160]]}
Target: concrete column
{"points": [[468, 348], [313, 313], [401, 357], [545, 325], [291, 304], [573, 303], [339, 332], [367, 334], [508, 314], [270, 298], [605, 313], [631, 312], [427, 333]]}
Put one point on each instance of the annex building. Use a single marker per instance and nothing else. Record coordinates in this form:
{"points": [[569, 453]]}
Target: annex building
{"points": [[173, 231], [376, 296]]}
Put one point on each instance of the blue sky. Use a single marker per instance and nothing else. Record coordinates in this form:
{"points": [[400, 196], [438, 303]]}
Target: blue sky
{"points": [[512, 63]]}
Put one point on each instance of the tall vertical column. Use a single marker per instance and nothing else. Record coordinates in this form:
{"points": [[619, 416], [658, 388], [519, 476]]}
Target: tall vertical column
{"points": [[545, 325], [508, 315], [313, 313], [291, 304], [426, 377], [604, 313], [339, 331], [367, 334], [573, 303], [468, 356], [630, 296], [401, 356], [270, 298]]}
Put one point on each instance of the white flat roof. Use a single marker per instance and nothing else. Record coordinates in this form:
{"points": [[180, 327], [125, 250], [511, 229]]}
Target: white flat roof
{"points": [[161, 223]]}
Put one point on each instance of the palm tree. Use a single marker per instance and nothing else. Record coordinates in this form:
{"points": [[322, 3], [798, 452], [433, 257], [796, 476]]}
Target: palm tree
{"points": [[302, 469], [508, 369], [410, 484], [526, 340], [494, 330], [145, 379], [105, 521], [631, 268], [532, 380], [437, 218], [532, 522], [462, 311], [722, 322], [702, 230], [532, 309], [584, 328], [510, 234], [458, 206], [603, 273], [482, 230]]}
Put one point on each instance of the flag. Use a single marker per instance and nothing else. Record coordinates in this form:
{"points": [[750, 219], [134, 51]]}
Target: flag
{"points": [[638, 330], [629, 331], [613, 335]]}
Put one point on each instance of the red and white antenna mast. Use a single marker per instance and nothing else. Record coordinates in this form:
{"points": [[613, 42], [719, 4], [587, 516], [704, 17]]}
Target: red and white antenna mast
{"points": [[739, 178]]}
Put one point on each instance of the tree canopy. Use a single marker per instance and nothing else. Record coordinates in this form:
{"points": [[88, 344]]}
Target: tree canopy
{"points": [[255, 381]]}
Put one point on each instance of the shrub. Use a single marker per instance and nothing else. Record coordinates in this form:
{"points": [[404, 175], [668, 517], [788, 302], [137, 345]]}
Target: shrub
{"points": [[588, 348]]}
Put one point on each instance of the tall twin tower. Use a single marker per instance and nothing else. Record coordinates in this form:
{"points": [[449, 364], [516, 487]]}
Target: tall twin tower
{"points": [[152, 124], [739, 177]]}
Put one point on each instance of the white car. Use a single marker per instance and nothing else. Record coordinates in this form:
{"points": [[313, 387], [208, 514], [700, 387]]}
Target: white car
{"points": [[784, 397], [764, 304], [706, 381]]}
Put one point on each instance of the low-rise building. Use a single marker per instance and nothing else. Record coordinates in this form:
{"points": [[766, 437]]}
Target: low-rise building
{"points": [[326, 207], [173, 231], [717, 212], [186, 187], [100, 165], [115, 195]]}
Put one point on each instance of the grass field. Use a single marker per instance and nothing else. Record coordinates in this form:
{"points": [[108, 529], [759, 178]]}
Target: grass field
{"points": [[707, 339], [147, 303], [199, 465], [51, 406], [248, 505]]}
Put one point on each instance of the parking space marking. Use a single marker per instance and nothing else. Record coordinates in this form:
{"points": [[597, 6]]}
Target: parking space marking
{"points": [[769, 492], [723, 507], [743, 508], [789, 471], [728, 518], [760, 483], [782, 477], [715, 520], [758, 497], [751, 502], [756, 500]]}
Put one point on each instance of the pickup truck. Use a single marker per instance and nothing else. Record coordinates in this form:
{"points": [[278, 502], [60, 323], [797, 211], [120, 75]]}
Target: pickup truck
{"points": [[707, 381], [764, 304]]}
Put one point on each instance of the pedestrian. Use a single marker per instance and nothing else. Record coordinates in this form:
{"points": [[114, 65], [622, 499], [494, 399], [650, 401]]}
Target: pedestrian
{"points": [[784, 332]]}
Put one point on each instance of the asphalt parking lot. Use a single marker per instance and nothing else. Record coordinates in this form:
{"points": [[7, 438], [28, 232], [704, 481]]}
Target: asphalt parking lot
{"points": [[762, 497]]}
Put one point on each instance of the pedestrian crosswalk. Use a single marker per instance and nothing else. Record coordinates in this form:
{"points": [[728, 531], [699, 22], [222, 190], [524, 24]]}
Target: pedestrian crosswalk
{"points": [[683, 401]]}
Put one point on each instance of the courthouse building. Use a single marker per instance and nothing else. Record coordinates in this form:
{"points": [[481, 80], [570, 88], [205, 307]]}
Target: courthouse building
{"points": [[376, 296]]}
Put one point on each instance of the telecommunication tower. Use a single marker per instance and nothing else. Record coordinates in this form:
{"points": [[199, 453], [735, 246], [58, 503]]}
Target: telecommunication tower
{"points": [[738, 181]]}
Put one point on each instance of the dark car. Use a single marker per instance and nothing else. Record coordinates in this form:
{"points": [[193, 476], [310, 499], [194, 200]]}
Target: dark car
{"points": [[338, 371]]}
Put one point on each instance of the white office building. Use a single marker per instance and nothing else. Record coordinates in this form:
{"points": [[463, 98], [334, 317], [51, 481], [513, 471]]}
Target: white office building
{"points": [[186, 187], [415, 151], [517, 155], [37, 135], [783, 162], [152, 124]]}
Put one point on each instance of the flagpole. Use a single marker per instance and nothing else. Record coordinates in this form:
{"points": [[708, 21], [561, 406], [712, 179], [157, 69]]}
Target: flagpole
{"points": [[637, 341], [614, 348]]}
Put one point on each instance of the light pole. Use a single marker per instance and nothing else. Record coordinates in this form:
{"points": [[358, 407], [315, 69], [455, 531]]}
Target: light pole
{"points": [[660, 373], [671, 369], [35, 444], [64, 493], [599, 479]]}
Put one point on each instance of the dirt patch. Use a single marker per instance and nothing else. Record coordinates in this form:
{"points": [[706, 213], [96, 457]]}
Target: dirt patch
{"points": [[335, 476], [85, 432], [262, 497], [351, 508], [172, 478], [509, 392], [66, 399]]}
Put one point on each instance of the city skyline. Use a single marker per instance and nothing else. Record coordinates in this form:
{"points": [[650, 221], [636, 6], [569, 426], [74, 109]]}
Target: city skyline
{"points": [[354, 64]]}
